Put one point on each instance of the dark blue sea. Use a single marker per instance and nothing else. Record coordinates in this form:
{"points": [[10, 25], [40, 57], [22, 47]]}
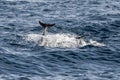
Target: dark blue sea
{"points": [[23, 57]]}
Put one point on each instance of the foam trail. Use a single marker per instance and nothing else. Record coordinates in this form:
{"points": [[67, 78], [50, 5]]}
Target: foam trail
{"points": [[95, 43], [60, 40]]}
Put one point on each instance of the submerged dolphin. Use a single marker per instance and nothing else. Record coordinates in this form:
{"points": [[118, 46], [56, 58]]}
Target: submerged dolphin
{"points": [[45, 26]]}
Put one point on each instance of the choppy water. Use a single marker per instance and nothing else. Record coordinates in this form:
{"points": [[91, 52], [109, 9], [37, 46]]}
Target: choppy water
{"points": [[23, 58]]}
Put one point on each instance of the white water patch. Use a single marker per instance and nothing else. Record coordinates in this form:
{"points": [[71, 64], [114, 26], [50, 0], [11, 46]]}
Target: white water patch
{"points": [[89, 75], [95, 43], [25, 77], [57, 77], [32, 0], [9, 77], [60, 40]]}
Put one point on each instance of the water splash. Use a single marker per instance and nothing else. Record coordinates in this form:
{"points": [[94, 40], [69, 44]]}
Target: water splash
{"points": [[60, 40]]}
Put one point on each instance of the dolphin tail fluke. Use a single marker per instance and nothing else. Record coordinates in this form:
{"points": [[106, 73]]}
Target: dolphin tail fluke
{"points": [[45, 26]]}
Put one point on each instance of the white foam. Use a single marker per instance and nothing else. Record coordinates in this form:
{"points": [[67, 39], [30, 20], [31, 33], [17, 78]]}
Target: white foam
{"points": [[60, 40], [8, 77], [57, 77], [16, 77], [90, 75], [95, 43], [30, 0]]}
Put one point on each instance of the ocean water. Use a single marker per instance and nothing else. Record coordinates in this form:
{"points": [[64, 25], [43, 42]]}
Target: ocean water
{"points": [[59, 56]]}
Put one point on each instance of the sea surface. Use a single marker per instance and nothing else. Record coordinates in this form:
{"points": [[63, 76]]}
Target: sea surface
{"points": [[22, 57]]}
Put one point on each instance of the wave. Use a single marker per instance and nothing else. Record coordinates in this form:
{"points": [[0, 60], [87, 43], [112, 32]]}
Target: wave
{"points": [[60, 40]]}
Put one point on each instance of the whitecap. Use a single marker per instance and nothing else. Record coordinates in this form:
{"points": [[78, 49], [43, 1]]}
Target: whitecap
{"points": [[60, 40]]}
